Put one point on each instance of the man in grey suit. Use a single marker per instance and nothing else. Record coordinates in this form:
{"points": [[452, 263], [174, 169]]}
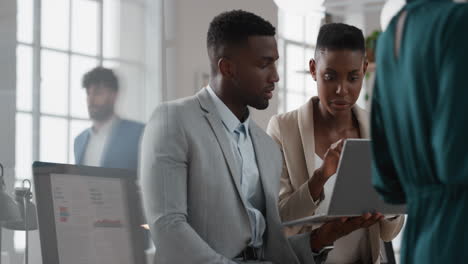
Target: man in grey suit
{"points": [[209, 174]]}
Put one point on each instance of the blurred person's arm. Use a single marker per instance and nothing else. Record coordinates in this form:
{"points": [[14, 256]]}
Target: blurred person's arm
{"points": [[384, 174], [450, 120]]}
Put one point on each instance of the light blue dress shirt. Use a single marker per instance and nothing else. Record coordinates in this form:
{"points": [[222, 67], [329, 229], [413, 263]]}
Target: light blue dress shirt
{"points": [[242, 147]]}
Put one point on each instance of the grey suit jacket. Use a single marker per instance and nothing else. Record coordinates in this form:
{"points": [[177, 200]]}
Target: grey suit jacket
{"points": [[191, 188]]}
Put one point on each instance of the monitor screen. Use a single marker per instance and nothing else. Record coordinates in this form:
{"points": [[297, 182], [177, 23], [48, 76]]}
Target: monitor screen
{"points": [[88, 215]]}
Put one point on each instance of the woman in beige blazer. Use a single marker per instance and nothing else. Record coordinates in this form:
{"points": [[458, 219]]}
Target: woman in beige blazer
{"points": [[338, 69]]}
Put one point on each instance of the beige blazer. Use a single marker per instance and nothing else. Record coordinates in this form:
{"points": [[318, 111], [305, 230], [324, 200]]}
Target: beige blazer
{"points": [[294, 132]]}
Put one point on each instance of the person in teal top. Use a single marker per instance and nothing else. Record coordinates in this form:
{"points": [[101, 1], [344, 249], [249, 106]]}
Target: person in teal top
{"points": [[419, 127]]}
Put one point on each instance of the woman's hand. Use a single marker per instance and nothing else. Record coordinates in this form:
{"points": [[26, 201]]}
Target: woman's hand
{"points": [[328, 168], [329, 232], [331, 159]]}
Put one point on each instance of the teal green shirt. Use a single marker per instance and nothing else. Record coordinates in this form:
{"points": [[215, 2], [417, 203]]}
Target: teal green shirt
{"points": [[419, 127]]}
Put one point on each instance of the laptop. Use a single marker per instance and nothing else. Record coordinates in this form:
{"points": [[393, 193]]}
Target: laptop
{"points": [[88, 215], [352, 193]]}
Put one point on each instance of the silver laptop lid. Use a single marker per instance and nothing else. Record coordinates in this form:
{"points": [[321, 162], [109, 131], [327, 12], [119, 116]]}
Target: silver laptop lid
{"points": [[353, 192]]}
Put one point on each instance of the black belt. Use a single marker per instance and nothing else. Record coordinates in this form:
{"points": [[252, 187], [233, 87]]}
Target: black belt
{"points": [[249, 253]]}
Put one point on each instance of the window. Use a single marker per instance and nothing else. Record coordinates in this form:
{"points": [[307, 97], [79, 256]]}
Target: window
{"points": [[58, 41], [297, 37]]}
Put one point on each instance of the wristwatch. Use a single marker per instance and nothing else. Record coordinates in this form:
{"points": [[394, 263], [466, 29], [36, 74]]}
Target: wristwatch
{"points": [[322, 255]]}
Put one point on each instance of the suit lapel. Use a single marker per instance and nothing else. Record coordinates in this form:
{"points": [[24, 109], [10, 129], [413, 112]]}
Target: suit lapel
{"points": [[256, 134], [112, 140], [223, 140], [276, 243], [306, 130], [81, 147], [363, 120], [260, 158]]}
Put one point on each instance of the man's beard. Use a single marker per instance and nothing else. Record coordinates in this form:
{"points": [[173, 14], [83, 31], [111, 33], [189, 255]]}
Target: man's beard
{"points": [[102, 113], [256, 103]]}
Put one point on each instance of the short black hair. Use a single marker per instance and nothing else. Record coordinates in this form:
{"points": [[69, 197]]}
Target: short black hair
{"points": [[101, 76], [339, 36], [233, 28]]}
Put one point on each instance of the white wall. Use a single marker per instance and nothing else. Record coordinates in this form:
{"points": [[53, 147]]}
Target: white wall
{"points": [[7, 100], [155, 74], [8, 83], [364, 14], [187, 56], [131, 45]]}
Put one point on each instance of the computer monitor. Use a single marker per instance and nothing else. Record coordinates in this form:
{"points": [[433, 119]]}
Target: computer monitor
{"points": [[88, 215]]}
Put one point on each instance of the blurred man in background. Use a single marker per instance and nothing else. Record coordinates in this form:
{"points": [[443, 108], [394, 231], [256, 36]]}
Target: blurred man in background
{"points": [[111, 142]]}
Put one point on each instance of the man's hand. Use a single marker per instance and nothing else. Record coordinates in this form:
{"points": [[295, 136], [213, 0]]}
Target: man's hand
{"points": [[328, 233]]}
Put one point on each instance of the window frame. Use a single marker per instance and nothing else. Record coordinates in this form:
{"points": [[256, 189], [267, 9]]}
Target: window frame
{"points": [[37, 48], [283, 91]]}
